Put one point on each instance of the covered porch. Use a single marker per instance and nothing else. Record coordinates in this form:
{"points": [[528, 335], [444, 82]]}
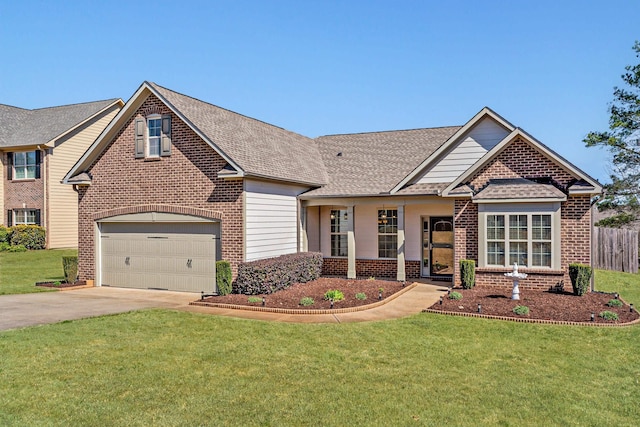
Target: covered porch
{"points": [[384, 237]]}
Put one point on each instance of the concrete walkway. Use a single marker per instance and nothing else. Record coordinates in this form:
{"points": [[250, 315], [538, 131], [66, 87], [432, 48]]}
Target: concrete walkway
{"points": [[17, 311]]}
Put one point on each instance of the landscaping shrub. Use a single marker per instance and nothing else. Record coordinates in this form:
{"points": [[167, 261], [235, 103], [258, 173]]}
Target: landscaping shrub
{"points": [[70, 268], [306, 301], [30, 236], [5, 234], [361, 296], [15, 248], [253, 300], [615, 303], [223, 277], [269, 275], [455, 296], [334, 294], [4, 247], [580, 276], [468, 273], [608, 315], [521, 310]]}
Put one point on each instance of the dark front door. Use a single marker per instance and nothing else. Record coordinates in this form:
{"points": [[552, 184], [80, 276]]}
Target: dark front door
{"points": [[442, 247]]}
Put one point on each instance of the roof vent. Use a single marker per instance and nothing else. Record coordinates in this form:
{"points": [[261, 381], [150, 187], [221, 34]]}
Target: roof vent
{"points": [[339, 153]]}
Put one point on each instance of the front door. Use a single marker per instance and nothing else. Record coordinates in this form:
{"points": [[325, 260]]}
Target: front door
{"points": [[441, 246]]}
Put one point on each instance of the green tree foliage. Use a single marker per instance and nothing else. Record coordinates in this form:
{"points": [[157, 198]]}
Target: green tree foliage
{"points": [[623, 142]]}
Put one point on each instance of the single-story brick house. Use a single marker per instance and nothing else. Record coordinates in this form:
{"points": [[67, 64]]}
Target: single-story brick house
{"points": [[174, 183]]}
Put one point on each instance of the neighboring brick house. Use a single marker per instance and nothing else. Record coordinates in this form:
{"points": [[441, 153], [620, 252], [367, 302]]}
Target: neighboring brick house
{"points": [[175, 183], [37, 148]]}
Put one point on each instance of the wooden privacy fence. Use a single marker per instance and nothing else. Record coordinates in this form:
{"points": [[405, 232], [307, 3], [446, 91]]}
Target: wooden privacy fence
{"points": [[615, 249]]}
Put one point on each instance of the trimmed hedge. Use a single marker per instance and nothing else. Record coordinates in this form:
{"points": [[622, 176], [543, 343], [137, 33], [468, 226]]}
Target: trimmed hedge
{"points": [[30, 236], [468, 273], [267, 276], [580, 276], [70, 268], [223, 277], [5, 234]]}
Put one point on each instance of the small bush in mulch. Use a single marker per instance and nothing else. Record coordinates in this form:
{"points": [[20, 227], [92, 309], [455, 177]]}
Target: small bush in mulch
{"points": [[521, 310], [61, 284], [334, 295], [544, 305], [361, 296], [608, 315], [306, 301], [456, 296]]}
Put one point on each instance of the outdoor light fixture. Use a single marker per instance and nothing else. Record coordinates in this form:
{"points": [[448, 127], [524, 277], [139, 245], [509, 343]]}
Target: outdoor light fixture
{"points": [[593, 317], [616, 295], [440, 300], [631, 308], [331, 302], [379, 295], [346, 215], [479, 308], [263, 301], [333, 215]]}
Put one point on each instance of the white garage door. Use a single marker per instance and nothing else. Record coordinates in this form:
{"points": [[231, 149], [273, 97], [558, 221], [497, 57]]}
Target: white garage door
{"points": [[177, 256]]}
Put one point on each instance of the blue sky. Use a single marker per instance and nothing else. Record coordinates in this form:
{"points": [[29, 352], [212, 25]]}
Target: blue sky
{"points": [[327, 67]]}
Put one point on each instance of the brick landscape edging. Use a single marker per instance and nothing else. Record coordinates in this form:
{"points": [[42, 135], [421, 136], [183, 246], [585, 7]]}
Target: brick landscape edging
{"points": [[302, 310], [524, 320]]}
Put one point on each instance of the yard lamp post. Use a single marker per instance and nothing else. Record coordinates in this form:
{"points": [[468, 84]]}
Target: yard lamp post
{"points": [[631, 308], [331, 302], [479, 308], [593, 317], [441, 300], [263, 301]]}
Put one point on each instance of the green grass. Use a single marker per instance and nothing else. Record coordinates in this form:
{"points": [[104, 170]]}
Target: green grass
{"points": [[627, 285], [20, 271], [175, 368]]}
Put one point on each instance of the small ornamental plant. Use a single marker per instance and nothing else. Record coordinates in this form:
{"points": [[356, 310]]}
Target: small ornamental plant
{"points": [[608, 315], [455, 296], [371, 279], [361, 296], [521, 310], [306, 301], [334, 295], [253, 300], [615, 303]]}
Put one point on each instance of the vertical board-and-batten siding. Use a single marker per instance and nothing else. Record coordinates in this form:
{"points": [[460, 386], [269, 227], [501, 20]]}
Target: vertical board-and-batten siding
{"points": [[271, 219], [475, 144], [63, 200]]}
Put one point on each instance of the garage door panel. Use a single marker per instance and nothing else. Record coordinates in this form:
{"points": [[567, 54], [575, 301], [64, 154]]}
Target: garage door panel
{"points": [[168, 256]]}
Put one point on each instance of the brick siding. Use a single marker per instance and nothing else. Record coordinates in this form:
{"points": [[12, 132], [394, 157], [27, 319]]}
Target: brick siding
{"points": [[29, 192], [379, 268], [186, 182], [520, 159]]}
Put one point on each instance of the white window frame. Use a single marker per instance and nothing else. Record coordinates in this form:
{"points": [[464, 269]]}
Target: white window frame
{"points": [[338, 227], [24, 166], [529, 210], [389, 217], [21, 217], [155, 118]]}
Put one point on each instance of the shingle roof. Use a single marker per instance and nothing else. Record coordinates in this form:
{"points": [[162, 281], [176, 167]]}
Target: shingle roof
{"points": [[373, 163], [518, 188], [259, 148], [21, 127]]}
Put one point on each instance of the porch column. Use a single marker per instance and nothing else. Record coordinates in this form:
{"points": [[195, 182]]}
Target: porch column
{"points": [[351, 245], [401, 276], [304, 240]]}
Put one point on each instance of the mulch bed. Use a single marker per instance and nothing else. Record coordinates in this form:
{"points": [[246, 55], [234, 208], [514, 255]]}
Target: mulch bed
{"points": [[61, 284], [543, 305], [290, 297]]}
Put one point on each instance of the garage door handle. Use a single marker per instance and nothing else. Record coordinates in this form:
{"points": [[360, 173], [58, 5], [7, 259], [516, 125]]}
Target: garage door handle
{"points": [[189, 263], [126, 260]]}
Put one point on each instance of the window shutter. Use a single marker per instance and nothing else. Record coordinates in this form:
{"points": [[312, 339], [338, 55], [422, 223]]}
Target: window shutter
{"points": [[9, 166], [38, 162], [166, 136], [139, 146], [38, 222], [9, 218]]}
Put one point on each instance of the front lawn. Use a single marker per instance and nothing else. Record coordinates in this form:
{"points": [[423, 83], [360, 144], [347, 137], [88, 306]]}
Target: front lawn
{"points": [[19, 271], [161, 367]]}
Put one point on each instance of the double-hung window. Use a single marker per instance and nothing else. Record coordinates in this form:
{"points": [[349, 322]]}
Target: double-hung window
{"points": [[528, 239], [387, 233], [24, 165], [24, 217], [339, 232], [154, 125]]}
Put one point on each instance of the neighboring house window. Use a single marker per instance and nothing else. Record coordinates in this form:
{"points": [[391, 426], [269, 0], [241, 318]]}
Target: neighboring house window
{"points": [[154, 125], [387, 233], [339, 232], [528, 239], [24, 217], [24, 165]]}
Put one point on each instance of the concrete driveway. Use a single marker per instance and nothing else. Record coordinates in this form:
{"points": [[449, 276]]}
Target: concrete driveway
{"points": [[18, 311]]}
